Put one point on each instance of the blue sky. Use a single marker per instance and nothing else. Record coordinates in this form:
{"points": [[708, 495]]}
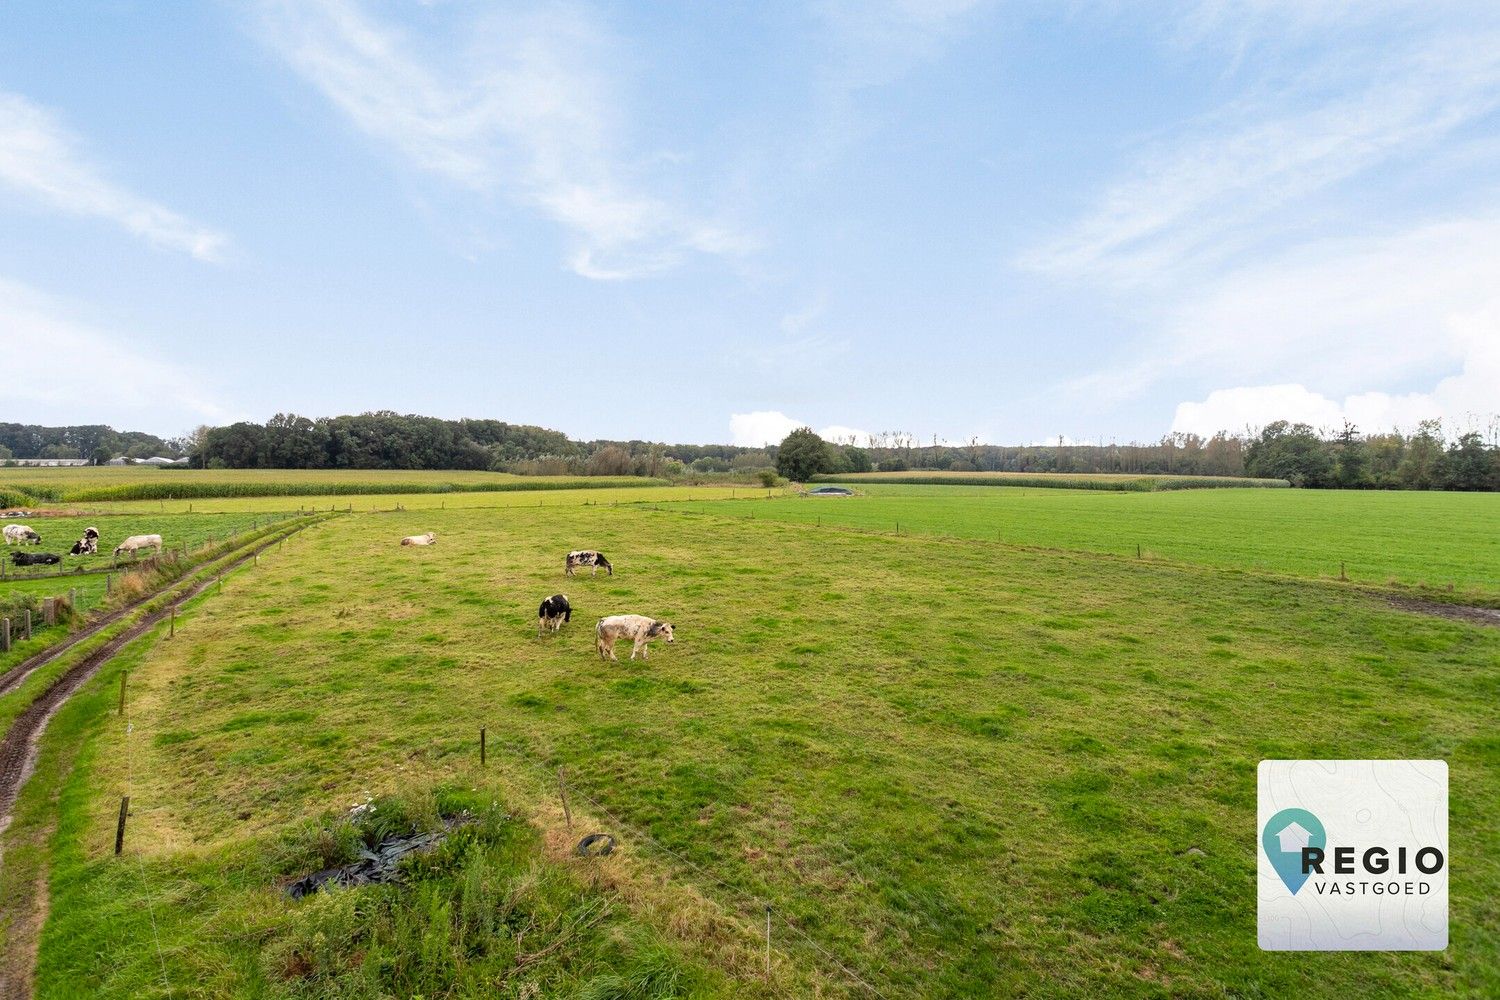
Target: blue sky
{"points": [[711, 222]]}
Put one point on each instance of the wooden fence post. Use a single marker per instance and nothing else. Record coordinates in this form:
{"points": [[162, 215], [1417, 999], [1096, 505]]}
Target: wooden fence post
{"points": [[481, 747], [172, 627], [123, 674], [768, 940], [27, 631], [5, 636], [120, 827], [109, 584], [562, 790]]}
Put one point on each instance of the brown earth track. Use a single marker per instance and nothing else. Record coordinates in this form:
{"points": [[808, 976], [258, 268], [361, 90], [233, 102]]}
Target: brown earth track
{"points": [[18, 749], [1453, 612], [18, 673]]}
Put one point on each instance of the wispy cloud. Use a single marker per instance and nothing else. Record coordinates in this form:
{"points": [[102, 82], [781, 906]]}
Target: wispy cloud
{"points": [[111, 381], [42, 160], [1213, 189], [527, 110]]}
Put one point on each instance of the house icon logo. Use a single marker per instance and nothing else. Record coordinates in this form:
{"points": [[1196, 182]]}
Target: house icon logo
{"points": [[1284, 837]]}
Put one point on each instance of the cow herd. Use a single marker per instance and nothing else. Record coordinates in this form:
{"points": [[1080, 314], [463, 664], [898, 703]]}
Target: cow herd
{"points": [[556, 611], [88, 545]]}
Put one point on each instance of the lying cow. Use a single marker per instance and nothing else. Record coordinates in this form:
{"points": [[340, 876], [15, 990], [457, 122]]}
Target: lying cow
{"points": [[428, 539], [19, 534], [88, 545], [35, 558], [135, 543], [637, 628], [554, 611], [587, 557]]}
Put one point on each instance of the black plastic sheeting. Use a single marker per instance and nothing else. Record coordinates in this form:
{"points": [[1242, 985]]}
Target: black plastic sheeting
{"points": [[378, 865]]}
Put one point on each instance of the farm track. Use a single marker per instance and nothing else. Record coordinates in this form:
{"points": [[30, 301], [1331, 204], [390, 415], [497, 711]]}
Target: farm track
{"points": [[19, 747], [13, 677]]}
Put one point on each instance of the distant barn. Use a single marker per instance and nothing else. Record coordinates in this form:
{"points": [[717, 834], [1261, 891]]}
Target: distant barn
{"points": [[830, 491]]}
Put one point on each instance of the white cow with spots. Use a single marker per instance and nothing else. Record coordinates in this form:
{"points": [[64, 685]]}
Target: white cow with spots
{"points": [[637, 628], [135, 543], [20, 534]]}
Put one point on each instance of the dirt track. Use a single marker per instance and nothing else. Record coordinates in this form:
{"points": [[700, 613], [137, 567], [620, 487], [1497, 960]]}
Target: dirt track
{"points": [[1454, 612], [18, 749]]}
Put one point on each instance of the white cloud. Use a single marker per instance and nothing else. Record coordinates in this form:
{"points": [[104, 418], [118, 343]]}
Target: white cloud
{"points": [[41, 159], [528, 110], [1467, 399], [1214, 188], [763, 427], [103, 379]]}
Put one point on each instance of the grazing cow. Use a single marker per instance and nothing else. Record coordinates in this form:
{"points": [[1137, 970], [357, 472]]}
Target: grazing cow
{"points": [[587, 557], [428, 539], [35, 558], [637, 628], [554, 611], [19, 534], [88, 545], [135, 543]]}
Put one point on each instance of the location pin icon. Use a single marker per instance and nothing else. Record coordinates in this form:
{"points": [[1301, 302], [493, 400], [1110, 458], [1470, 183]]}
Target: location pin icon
{"points": [[1284, 837]]}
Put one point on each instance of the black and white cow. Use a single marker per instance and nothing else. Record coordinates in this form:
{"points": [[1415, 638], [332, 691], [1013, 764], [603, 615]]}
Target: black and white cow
{"points": [[88, 545], [587, 557], [34, 558], [554, 611]]}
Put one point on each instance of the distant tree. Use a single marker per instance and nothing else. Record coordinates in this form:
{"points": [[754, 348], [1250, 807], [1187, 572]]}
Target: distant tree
{"points": [[1422, 465], [101, 455], [611, 460], [1351, 460], [1293, 452], [1469, 465], [5, 455], [893, 464], [802, 455], [857, 459]]}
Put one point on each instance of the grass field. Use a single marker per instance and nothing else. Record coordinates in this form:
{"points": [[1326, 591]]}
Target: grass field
{"points": [[1115, 481], [176, 529], [92, 484], [364, 503], [1432, 539], [966, 768]]}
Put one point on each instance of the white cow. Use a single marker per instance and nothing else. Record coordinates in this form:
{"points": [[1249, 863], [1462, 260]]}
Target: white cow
{"points": [[19, 534], [637, 628], [135, 543], [428, 539]]}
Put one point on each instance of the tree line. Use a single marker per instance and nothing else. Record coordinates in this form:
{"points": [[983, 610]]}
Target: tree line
{"points": [[1298, 453], [96, 442], [388, 440]]}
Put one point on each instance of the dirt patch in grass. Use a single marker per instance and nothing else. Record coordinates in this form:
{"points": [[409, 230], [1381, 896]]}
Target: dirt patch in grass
{"points": [[1453, 612]]}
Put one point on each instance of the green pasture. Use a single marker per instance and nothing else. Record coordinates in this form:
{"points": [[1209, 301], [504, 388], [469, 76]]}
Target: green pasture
{"points": [[1118, 481], [366, 503], [60, 531], [965, 768], [23, 487], [1407, 538]]}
